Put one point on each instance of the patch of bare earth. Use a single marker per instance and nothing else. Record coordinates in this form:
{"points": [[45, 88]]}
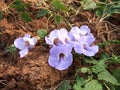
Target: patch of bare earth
{"points": [[30, 73]]}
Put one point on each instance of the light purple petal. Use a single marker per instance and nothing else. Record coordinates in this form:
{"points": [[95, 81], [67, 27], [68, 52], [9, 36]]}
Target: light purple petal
{"points": [[54, 56], [74, 34], [65, 62], [63, 35], [86, 39], [60, 63], [23, 52], [90, 50], [55, 51], [55, 59], [53, 35], [65, 49], [33, 41], [64, 32], [78, 48], [86, 49], [84, 29], [26, 37], [90, 39], [49, 41], [71, 36], [19, 43]]}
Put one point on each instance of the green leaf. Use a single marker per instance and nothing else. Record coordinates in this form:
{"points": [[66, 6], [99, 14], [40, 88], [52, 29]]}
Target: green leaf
{"points": [[58, 5], [90, 60], [109, 42], [99, 12], [84, 70], [105, 55], [42, 33], [42, 12], [100, 66], [80, 80], [115, 59], [12, 49], [25, 16], [19, 5], [64, 85], [107, 9], [113, 8], [93, 85], [88, 4], [79, 83], [77, 87], [1, 15], [105, 75], [100, 9], [57, 19], [116, 74]]}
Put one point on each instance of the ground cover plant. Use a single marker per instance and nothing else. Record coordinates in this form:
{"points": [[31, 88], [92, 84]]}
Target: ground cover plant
{"points": [[59, 45]]}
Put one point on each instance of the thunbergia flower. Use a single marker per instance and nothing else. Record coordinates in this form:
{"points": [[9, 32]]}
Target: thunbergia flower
{"points": [[62, 42], [75, 33], [60, 56], [84, 46], [83, 39], [57, 37], [24, 44]]}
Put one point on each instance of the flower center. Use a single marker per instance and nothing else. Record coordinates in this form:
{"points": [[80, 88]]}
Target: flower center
{"points": [[66, 40], [57, 41], [27, 43], [62, 56], [80, 34], [83, 34], [84, 46]]}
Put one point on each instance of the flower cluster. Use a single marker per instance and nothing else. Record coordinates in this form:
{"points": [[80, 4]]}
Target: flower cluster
{"points": [[60, 53], [83, 39], [62, 42], [25, 44]]}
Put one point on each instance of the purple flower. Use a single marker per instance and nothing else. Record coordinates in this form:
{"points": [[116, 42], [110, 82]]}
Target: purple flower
{"points": [[25, 44], [82, 41], [62, 42], [76, 32], [60, 56], [60, 53], [84, 46], [57, 37]]}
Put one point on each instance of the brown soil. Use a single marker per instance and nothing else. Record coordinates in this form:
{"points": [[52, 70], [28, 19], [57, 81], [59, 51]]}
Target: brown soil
{"points": [[30, 73], [33, 72]]}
